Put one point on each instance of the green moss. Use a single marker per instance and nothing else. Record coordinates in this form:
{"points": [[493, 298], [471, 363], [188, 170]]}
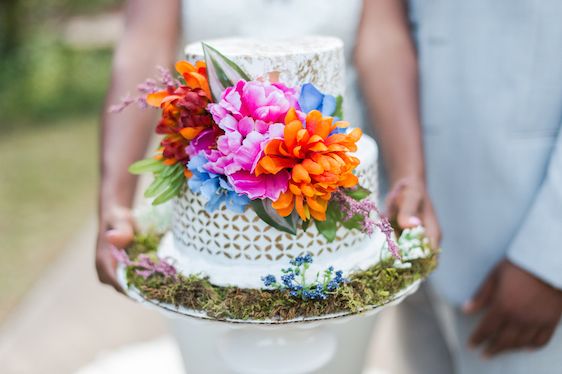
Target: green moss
{"points": [[373, 286]]}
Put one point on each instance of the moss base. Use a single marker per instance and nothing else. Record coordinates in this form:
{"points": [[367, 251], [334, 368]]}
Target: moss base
{"points": [[374, 286]]}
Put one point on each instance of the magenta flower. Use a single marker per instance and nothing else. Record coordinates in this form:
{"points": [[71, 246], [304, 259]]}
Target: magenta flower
{"points": [[251, 114], [264, 101]]}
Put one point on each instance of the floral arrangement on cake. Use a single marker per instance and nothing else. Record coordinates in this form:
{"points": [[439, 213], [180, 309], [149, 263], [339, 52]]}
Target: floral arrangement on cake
{"points": [[284, 152]]}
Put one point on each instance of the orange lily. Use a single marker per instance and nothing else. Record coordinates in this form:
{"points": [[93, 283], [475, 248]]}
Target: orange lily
{"points": [[319, 162]]}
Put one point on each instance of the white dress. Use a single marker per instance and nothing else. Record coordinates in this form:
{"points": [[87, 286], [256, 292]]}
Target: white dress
{"points": [[279, 19]]}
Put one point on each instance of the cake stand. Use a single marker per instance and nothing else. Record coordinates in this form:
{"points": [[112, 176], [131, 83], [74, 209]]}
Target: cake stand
{"points": [[328, 344]]}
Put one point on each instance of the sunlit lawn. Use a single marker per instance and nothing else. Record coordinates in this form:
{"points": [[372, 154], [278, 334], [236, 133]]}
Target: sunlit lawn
{"points": [[47, 192]]}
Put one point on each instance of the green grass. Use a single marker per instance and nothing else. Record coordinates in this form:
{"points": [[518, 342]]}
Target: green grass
{"points": [[47, 190]]}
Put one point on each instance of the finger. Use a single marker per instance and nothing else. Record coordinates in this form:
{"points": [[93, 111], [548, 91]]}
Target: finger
{"points": [[121, 232], [106, 268], [432, 228], [527, 336], [391, 206], [506, 338], [408, 210], [483, 296], [489, 325], [543, 336]]}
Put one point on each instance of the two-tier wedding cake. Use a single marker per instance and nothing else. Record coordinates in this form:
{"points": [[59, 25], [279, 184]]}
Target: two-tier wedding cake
{"points": [[273, 193], [239, 248]]}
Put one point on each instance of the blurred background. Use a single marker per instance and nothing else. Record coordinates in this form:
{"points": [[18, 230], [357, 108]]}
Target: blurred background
{"points": [[54, 69], [55, 60]]}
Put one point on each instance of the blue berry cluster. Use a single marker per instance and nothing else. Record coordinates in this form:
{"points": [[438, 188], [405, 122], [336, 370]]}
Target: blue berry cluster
{"points": [[293, 280]]}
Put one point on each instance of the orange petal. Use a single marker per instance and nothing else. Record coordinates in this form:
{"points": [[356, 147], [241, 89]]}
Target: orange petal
{"points": [[302, 210], [295, 189], [318, 147], [183, 67], [342, 124], [272, 147], [336, 138], [290, 133], [318, 205], [291, 116], [196, 80], [355, 134], [199, 65], [155, 99], [302, 136], [284, 201], [273, 165], [300, 174], [190, 132], [350, 180], [312, 120], [286, 211], [307, 190], [319, 216], [312, 167]]}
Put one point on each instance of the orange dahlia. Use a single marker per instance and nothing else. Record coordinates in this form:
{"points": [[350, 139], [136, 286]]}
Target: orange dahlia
{"points": [[184, 111], [319, 162]]}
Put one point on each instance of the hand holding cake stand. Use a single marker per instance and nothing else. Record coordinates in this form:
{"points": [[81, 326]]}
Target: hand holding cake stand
{"points": [[276, 259]]}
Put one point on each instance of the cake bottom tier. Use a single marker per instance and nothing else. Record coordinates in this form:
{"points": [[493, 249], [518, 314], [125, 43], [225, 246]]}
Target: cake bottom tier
{"points": [[248, 275]]}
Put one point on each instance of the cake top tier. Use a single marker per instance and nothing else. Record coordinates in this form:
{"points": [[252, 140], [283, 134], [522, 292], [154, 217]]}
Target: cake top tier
{"points": [[315, 59]]}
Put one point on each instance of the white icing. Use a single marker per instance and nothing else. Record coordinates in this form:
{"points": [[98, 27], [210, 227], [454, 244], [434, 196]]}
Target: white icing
{"points": [[314, 59]]}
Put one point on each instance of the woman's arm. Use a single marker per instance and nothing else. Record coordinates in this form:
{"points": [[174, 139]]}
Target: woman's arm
{"points": [[150, 39], [386, 61]]}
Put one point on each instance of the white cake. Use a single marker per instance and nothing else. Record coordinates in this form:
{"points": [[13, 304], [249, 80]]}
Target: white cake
{"points": [[238, 249]]}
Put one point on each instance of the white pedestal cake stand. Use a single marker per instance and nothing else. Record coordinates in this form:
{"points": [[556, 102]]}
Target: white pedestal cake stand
{"points": [[329, 344]]}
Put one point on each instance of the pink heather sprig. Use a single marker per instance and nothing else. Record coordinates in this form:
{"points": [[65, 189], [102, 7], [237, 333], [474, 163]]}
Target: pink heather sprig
{"points": [[165, 81], [351, 207], [386, 228], [145, 266]]}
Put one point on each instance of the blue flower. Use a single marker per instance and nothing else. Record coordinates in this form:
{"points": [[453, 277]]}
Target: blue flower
{"points": [[300, 260], [287, 280], [269, 280], [214, 187], [312, 99]]}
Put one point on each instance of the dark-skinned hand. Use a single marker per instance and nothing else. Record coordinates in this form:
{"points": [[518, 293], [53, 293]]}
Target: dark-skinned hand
{"points": [[520, 311], [116, 230], [409, 205]]}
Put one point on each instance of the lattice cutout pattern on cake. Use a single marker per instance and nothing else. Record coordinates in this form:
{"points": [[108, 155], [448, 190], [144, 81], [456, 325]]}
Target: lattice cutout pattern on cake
{"points": [[227, 236]]}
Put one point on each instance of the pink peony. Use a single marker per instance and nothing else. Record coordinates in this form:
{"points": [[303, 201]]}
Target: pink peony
{"points": [[264, 101], [251, 114]]}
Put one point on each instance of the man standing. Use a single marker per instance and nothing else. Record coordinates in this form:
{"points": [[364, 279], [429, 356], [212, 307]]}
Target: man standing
{"points": [[479, 84]]}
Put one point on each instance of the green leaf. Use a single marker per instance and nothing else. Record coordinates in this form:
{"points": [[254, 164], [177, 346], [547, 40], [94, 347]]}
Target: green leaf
{"points": [[171, 192], [339, 107], [148, 165], [305, 225], [157, 186], [221, 71], [357, 193], [170, 170], [353, 223], [265, 211], [327, 228]]}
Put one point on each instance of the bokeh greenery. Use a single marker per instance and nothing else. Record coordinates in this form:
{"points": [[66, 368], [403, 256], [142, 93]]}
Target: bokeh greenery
{"points": [[51, 94], [42, 78]]}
